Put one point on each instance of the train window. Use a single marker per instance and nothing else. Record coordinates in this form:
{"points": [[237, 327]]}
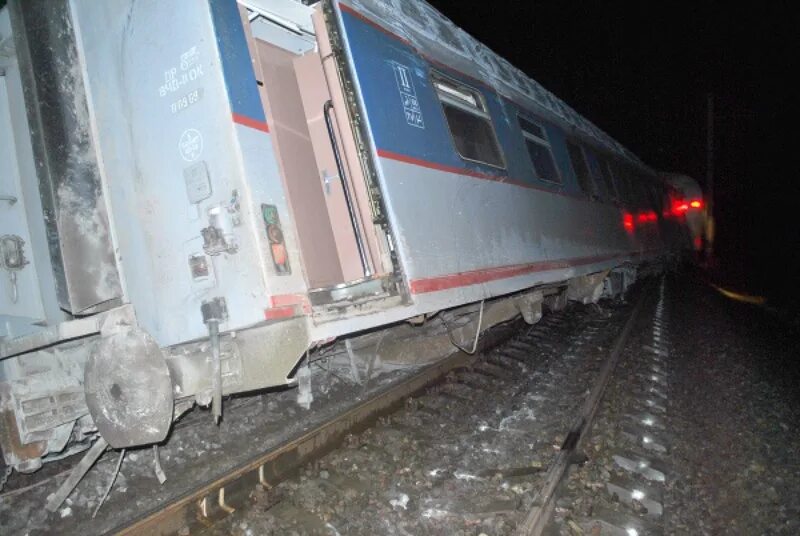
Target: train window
{"points": [[623, 190], [630, 186], [641, 191], [595, 170], [580, 168], [469, 122], [628, 182], [608, 178], [655, 198], [539, 150]]}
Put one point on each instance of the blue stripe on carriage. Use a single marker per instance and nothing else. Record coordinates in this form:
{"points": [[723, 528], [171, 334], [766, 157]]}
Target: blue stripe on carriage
{"points": [[237, 67], [376, 53]]}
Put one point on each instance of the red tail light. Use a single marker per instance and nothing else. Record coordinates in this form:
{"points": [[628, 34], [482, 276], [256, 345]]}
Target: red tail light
{"points": [[645, 217], [627, 221], [679, 207]]}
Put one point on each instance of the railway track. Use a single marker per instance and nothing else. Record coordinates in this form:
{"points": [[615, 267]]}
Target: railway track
{"points": [[468, 455], [543, 503], [468, 440], [621, 490], [201, 457]]}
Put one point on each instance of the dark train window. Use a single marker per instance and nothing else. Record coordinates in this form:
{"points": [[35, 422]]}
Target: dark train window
{"points": [[641, 191], [598, 180], [539, 151], [625, 184], [580, 167], [655, 197], [623, 192], [469, 122], [608, 178]]}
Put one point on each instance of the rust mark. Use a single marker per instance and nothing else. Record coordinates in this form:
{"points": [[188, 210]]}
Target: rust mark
{"points": [[13, 448]]}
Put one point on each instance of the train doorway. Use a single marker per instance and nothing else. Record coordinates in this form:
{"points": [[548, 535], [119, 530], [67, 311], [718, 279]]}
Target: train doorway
{"points": [[346, 254]]}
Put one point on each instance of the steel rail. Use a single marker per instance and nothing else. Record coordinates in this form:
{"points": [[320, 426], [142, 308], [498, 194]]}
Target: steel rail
{"points": [[211, 502], [539, 515]]}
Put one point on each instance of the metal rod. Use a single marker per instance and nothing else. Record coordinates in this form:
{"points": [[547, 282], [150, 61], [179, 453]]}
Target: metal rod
{"points": [[216, 371], [10, 198], [348, 196], [110, 483], [77, 474]]}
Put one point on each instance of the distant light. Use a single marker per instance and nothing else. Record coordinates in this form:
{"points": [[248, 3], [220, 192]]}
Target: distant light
{"points": [[646, 439], [648, 421], [679, 207], [696, 203], [627, 221], [637, 495], [642, 465], [632, 532]]}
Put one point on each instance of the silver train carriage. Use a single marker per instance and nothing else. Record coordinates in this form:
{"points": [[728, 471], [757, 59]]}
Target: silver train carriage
{"points": [[195, 194]]}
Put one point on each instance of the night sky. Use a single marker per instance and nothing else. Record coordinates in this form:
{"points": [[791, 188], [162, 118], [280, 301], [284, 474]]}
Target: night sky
{"points": [[642, 71]]}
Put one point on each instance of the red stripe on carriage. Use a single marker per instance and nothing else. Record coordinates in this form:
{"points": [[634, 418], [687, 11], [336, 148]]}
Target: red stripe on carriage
{"points": [[283, 300], [278, 313], [442, 167], [363, 18], [474, 277], [383, 153], [250, 122]]}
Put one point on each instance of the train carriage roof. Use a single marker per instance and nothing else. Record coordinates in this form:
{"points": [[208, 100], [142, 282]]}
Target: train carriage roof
{"points": [[438, 38]]}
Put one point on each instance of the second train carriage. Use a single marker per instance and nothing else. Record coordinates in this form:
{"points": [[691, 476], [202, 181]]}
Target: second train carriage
{"points": [[197, 193]]}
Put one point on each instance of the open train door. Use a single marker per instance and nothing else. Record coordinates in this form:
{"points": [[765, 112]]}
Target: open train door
{"points": [[308, 93]]}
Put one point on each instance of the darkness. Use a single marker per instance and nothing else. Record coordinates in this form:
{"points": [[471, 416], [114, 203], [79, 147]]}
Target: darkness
{"points": [[642, 71]]}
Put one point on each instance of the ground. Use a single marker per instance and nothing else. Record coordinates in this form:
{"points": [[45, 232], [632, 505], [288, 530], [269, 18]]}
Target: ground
{"points": [[736, 416], [467, 458], [729, 428]]}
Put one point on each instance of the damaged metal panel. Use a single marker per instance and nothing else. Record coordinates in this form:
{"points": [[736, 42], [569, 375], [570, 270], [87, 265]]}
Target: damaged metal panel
{"points": [[80, 243]]}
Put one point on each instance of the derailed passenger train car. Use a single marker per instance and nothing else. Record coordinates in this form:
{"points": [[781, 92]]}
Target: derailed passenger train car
{"points": [[196, 194]]}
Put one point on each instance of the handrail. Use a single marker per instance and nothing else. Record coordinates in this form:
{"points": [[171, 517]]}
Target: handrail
{"points": [[348, 196]]}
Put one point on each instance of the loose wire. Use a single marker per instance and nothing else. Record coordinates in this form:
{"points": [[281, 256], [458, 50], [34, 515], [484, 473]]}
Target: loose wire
{"points": [[477, 333]]}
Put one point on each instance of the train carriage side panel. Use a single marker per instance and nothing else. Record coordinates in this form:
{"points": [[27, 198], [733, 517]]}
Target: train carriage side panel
{"points": [[442, 206], [28, 298], [195, 154]]}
